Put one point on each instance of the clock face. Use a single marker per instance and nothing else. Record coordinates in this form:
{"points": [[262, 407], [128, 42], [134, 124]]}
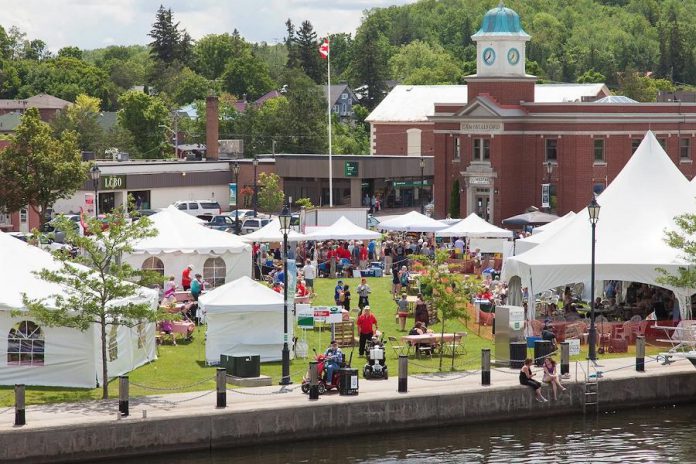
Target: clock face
{"points": [[513, 56], [488, 56]]}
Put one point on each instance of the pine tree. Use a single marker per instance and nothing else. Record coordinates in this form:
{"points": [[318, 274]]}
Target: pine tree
{"points": [[308, 48], [169, 43], [291, 45], [369, 66]]}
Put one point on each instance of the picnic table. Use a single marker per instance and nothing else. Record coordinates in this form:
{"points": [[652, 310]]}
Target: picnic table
{"points": [[431, 339]]}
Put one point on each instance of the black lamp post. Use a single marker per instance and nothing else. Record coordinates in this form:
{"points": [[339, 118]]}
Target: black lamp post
{"points": [[420, 192], [235, 170], [95, 174], [593, 211], [256, 164], [284, 220]]}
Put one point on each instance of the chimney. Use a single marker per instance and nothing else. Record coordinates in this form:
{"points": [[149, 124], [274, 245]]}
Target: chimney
{"points": [[211, 127]]}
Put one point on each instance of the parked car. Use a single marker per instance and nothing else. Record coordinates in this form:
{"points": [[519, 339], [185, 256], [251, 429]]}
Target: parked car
{"points": [[45, 242], [372, 222], [253, 224], [243, 214], [221, 222], [199, 207]]}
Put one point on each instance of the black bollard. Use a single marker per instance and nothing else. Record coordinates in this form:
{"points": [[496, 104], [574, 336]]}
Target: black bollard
{"points": [[313, 381], [640, 353], [565, 358], [403, 373], [20, 417], [221, 385], [123, 395], [486, 366]]}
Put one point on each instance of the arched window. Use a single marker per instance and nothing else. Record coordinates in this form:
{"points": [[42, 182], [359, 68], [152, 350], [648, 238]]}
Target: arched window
{"points": [[154, 264], [25, 345], [214, 271]]}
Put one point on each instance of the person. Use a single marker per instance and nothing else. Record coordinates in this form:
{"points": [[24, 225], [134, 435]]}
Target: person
{"points": [[417, 329], [279, 276], [387, 250], [402, 311], [277, 287], [367, 325], [337, 293], [362, 254], [186, 277], [526, 375], [363, 294], [403, 277], [567, 297], [333, 360], [310, 272], [396, 281], [169, 287], [196, 287], [371, 249], [459, 247], [301, 289], [551, 376], [346, 297], [421, 312], [547, 333]]}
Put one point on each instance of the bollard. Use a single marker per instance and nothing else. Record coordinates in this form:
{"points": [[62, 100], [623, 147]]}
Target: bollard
{"points": [[640, 353], [221, 384], [403, 373], [20, 417], [486, 366], [313, 381], [565, 358], [123, 395]]}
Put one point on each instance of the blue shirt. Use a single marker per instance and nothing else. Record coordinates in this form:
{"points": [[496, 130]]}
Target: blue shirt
{"points": [[195, 286], [279, 277], [337, 291], [371, 246]]}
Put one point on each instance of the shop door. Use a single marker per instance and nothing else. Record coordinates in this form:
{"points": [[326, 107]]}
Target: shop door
{"points": [[107, 202], [483, 209]]}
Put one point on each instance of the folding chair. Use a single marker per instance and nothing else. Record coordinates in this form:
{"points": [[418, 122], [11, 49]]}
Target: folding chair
{"points": [[398, 349], [457, 344]]}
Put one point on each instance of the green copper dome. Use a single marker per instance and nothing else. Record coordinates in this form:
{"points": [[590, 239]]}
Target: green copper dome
{"points": [[501, 21]]}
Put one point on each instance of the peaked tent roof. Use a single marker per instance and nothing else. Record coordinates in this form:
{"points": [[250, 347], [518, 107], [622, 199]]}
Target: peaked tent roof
{"points": [[554, 225], [412, 222], [544, 232], [178, 235], [271, 233], [342, 229], [475, 227], [243, 294], [636, 208], [530, 219], [177, 213]]}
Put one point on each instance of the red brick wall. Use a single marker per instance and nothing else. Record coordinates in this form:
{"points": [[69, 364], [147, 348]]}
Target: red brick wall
{"points": [[504, 92], [392, 139]]}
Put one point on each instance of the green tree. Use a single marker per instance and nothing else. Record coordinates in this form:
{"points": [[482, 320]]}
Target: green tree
{"points": [[168, 44], [72, 52], [247, 75], [591, 76], [98, 285], [308, 48], [454, 200], [83, 118], [271, 196], [37, 169], [213, 52], [143, 115], [369, 65], [291, 46], [420, 63], [187, 86], [305, 202]]}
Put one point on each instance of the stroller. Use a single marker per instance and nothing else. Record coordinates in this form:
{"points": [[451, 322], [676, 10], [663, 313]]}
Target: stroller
{"points": [[376, 367]]}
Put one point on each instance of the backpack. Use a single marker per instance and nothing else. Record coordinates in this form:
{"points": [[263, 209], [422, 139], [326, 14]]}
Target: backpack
{"points": [[341, 297]]}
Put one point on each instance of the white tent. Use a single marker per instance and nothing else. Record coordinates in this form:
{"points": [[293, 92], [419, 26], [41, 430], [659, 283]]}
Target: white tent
{"points": [[412, 222], [342, 229], [244, 317], [33, 354], [474, 227], [544, 232], [554, 225], [217, 255], [636, 209], [271, 233], [177, 213]]}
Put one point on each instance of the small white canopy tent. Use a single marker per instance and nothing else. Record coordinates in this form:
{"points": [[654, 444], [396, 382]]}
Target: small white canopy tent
{"points": [[474, 227], [342, 229], [271, 233], [544, 232], [636, 209], [33, 354], [218, 256], [244, 317], [412, 222]]}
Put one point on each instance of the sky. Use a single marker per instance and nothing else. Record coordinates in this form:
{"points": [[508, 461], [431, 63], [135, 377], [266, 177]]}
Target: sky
{"points": [[90, 24]]}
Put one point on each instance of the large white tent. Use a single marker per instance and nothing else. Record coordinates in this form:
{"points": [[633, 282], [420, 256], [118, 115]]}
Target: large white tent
{"points": [[474, 227], [271, 233], [180, 242], [344, 229], [412, 222], [636, 209], [541, 234], [33, 354], [244, 317]]}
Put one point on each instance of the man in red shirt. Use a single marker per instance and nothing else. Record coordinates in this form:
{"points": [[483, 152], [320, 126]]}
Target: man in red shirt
{"points": [[363, 257], [186, 277], [365, 323]]}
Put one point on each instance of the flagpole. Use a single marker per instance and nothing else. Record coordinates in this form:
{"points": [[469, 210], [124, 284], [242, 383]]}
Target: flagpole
{"points": [[328, 100]]}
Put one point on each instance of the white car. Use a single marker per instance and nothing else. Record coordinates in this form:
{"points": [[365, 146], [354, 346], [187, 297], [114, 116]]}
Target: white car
{"points": [[253, 224], [198, 207]]}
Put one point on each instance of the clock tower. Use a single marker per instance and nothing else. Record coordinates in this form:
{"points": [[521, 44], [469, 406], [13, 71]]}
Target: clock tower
{"points": [[500, 59]]}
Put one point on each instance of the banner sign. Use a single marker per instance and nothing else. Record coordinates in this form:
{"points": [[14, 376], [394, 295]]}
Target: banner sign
{"points": [[292, 281], [305, 316], [321, 313], [350, 169], [233, 194], [335, 315], [545, 195]]}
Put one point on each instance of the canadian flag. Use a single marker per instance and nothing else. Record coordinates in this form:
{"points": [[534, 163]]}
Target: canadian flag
{"points": [[324, 49]]}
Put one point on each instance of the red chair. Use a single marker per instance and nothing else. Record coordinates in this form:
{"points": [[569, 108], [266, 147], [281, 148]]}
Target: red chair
{"points": [[618, 343]]}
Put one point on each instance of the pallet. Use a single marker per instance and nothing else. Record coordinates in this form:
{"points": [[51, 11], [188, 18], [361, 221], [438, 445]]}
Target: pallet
{"points": [[344, 334]]}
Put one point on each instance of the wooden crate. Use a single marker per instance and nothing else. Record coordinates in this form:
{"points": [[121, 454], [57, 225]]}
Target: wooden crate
{"points": [[344, 333]]}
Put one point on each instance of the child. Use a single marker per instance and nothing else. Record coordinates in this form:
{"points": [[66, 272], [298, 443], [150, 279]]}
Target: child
{"points": [[402, 311]]}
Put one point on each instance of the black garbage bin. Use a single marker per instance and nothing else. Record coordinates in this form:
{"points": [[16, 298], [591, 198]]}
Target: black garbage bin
{"points": [[348, 381], [246, 365], [541, 349], [518, 353]]}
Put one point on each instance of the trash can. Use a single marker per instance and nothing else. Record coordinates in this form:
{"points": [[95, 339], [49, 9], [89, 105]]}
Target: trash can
{"points": [[518, 353], [348, 381], [541, 349], [246, 366]]}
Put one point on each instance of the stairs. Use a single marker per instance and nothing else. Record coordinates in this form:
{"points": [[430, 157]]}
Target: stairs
{"points": [[591, 394]]}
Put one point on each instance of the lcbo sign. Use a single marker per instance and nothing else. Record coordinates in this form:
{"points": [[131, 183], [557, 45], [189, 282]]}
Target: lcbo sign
{"points": [[113, 182]]}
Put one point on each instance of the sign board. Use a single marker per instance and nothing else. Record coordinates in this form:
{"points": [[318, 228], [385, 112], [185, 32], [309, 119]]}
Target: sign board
{"points": [[351, 168], [233, 194], [545, 195], [305, 316], [481, 127], [89, 204], [415, 183], [573, 346], [479, 180], [516, 318], [321, 313], [113, 182], [292, 281], [335, 315]]}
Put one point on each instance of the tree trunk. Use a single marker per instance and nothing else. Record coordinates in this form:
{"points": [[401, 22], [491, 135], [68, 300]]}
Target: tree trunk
{"points": [[105, 378]]}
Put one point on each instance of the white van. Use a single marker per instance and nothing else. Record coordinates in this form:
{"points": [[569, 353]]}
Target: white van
{"points": [[199, 207]]}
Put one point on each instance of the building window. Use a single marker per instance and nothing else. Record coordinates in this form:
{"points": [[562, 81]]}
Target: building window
{"points": [[635, 143], [23, 215], [413, 142], [551, 150], [154, 264], [663, 143], [215, 271], [685, 149], [599, 150], [482, 150], [25, 345], [457, 148], [344, 96], [344, 109]]}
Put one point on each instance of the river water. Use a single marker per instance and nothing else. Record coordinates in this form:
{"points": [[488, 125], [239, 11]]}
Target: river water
{"points": [[665, 434]]}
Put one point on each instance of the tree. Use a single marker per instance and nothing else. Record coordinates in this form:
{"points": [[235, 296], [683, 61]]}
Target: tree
{"points": [[247, 75], [682, 239], [83, 118], [97, 284], [454, 200], [37, 169], [369, 65], [291, 45], [169, 44], [270, 196], [308, 48], [72, 52], [420, 63], [590, 77], [143, 115], [213, 52]]}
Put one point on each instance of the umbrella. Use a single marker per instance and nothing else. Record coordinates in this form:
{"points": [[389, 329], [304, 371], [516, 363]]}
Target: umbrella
{"points": [[532, 218]]}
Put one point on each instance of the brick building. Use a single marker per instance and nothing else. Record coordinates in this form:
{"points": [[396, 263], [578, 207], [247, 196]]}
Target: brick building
{"points": [[511, 143]]}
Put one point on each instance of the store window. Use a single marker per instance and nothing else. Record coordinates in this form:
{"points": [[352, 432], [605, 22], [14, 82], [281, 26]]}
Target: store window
{"points": [[599, 151], [154, 264], [482, 150], [684, 149], [457, 148], [215, 271], [551, 149], [25, 345]]}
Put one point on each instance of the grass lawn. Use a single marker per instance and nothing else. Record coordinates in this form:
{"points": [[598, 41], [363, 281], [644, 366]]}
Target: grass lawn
{"points": [[182, 367]]}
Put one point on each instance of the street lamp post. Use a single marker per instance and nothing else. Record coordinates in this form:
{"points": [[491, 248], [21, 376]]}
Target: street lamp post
{"points": [[284, 220], [420, 192], [95, 174], [593, 211], [235, 171], [256, 165]]}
